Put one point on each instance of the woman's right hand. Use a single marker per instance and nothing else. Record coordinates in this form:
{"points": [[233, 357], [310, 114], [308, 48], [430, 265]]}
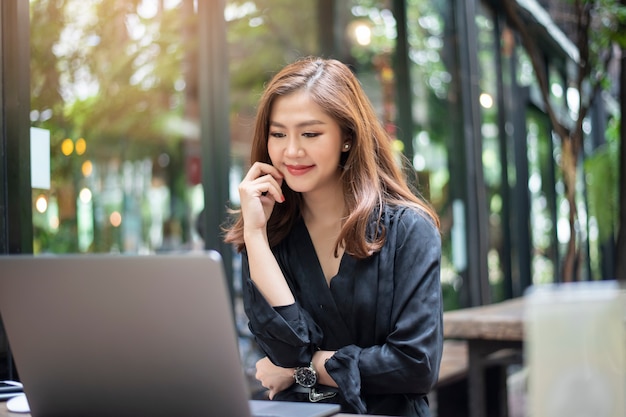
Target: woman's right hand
{"points": [[258, 192]]}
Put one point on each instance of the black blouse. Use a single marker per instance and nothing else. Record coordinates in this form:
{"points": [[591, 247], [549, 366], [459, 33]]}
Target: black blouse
{"points": [[383, 316]]}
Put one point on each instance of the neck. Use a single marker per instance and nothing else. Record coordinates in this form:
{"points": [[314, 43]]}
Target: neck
{"points": [[324, 208]]}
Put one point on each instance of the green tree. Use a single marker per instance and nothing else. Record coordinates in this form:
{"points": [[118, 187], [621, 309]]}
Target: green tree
{"points": [[597, 26], [123, 74], [109, 72]]}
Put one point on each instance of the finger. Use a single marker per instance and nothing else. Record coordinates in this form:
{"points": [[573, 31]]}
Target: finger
{"points": [[269, 186], [259, 169], [259, 187]]}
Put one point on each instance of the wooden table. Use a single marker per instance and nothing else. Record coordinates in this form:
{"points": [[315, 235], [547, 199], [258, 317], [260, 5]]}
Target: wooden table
{"points": [[6, 413], [487, 330]]}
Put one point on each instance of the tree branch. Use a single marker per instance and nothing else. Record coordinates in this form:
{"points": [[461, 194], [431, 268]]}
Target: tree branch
{"points": [[537, 61]]}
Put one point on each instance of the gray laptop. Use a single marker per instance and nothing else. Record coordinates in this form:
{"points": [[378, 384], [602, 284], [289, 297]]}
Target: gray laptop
{"points": [[119, 335]]}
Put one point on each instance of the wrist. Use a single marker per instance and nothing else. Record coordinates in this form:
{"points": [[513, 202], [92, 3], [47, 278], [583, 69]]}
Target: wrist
{"points": [[305, 376], [252, 235], [320, 358], [319, 363]]}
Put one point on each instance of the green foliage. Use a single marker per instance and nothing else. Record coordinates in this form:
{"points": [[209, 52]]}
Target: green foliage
{"points": [[602, 168], [602, 173], [263, 36], [611, 19], [100, 81], [123, 75], [450, 297]]}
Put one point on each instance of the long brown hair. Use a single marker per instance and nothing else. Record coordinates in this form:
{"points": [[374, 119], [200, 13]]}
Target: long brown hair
{"points": [[371, 176]]}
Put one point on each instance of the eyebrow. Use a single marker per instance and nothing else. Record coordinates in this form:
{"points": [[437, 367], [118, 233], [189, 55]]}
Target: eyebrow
{"points": [[301, 124]]}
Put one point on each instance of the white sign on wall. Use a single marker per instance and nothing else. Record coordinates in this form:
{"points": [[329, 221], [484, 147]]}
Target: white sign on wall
{"points": [[40, 158]]}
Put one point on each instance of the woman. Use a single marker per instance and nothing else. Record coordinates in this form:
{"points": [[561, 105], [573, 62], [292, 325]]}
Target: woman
{"points": [[341, 260]]}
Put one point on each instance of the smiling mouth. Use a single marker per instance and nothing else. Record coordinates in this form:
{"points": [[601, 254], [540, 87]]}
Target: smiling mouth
{"points": [[299, 169]]}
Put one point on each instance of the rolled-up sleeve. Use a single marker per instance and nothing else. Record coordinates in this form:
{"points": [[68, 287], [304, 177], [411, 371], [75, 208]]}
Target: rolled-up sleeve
{"points": [[407, 360]]}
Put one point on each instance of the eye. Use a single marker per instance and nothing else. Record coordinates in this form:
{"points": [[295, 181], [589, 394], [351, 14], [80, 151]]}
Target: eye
{"points": [[277, 135], [310, 134]]}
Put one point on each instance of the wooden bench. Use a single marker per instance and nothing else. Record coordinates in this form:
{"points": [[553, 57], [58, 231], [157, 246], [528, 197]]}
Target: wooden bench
{"points": [[449, 397], [454, 363]]}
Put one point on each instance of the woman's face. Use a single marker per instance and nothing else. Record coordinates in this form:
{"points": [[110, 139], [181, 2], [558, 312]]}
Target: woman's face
{"points": [[304, 143]]}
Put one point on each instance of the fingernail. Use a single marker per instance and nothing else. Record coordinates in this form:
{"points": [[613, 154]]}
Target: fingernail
{"points": [[282, 198]]}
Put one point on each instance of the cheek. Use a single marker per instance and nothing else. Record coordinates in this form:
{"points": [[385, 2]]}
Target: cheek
{"points": [[273, 152]]}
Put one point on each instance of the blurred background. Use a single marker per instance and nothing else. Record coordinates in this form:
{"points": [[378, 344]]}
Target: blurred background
{"points": [[508, 110]]}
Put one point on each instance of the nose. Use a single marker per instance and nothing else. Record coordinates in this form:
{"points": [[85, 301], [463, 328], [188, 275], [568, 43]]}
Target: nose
{"points": [[293, 148]]}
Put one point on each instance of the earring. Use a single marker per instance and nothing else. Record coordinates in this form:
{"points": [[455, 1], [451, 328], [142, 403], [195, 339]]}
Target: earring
{"points": [[346, 146]]}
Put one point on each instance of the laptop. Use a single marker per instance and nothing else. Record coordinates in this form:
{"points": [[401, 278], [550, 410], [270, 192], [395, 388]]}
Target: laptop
{"points": [[129, 335]]}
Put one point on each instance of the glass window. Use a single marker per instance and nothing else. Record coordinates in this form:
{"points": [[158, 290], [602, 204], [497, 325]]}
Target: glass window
{"points": [[431, 47], [491, 148], [372, 36], [113, 84], [541, 175]]}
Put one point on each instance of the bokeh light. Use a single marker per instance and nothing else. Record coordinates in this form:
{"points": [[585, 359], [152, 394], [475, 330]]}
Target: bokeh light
{"points": [[115, 218], [81, 146], [67, 147], [41, 204], [87, 168], [85, 195]]}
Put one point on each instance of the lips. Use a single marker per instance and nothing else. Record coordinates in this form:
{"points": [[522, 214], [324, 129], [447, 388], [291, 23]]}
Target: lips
{"points": [[297, 170]]}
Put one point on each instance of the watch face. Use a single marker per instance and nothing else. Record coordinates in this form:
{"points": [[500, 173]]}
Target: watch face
{"points": [[306, 377]]}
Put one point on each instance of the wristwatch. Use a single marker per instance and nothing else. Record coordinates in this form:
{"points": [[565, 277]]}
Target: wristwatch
{"points": [[305, 376]]}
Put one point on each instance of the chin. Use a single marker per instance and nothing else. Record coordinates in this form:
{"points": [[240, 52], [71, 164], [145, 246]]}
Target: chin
{"points": [[298, 188], [301, 190]]}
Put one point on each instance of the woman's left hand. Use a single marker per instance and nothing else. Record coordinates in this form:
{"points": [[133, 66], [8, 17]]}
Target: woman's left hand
{"points": [[272, 377]]}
